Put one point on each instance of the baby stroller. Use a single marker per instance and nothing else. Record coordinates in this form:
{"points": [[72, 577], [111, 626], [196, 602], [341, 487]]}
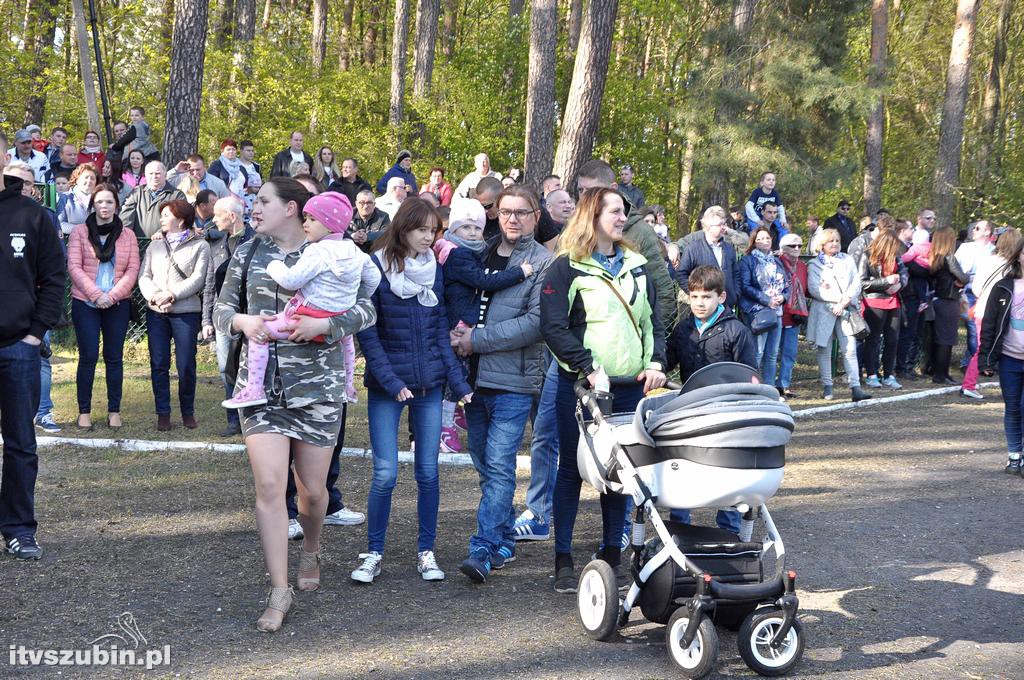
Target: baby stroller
{"points": [[718, 442]]}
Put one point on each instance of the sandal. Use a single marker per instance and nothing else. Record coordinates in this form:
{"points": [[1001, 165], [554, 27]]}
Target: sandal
{"points": [[279, 599], [308, 562]]}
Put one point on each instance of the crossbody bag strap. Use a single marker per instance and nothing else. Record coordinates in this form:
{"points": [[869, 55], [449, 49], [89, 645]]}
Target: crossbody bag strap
{"points": [[243, 290], [170, 256], [625, 305]]}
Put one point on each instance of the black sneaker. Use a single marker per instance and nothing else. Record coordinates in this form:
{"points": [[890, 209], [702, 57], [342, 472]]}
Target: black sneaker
{"points": [[566, 580], [476, 567], [623, 577], [232, 430], [24, 548], [1013, 466]]}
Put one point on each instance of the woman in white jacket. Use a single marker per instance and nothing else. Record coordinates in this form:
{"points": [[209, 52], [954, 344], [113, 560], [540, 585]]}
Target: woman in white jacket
{"points": [[833, 282]]}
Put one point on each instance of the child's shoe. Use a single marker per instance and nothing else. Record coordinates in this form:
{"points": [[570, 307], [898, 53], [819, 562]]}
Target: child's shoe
{"points": [[250, 395], [450, 440]]}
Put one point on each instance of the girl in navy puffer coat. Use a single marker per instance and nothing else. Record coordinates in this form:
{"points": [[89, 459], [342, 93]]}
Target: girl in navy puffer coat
{"points": [[409, 360]]}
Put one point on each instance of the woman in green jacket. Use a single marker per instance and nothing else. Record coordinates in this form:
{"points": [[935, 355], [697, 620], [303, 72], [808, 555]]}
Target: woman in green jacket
{"points": [[598, 311]]}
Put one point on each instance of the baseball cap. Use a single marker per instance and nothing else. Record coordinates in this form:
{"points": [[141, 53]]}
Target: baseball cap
{"points": [[33, 128], [22, 136]]}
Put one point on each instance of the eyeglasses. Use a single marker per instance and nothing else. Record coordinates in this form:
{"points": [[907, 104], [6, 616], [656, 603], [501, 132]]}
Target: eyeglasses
{"points": [[845, 207], [520, 214], [793, 245], [487, 206], [364, 202]]}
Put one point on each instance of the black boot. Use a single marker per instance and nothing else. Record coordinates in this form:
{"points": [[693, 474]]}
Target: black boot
{"points": [[940, 365], [859, 394]]}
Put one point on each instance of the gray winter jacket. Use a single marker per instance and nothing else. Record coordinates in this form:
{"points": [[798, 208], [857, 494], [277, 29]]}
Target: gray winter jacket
{"points": [[159, 273], [510, 345], [141, 210]]}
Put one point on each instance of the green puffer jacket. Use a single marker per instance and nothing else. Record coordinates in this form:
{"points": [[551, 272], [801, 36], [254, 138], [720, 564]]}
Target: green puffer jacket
{"points": [[586, 325]]}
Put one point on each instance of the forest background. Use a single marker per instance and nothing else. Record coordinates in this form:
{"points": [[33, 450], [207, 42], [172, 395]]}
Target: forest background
{"points": [[901, 103]]}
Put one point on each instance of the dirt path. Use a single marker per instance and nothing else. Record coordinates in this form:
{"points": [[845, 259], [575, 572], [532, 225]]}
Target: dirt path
{"points": [[903, 528]]}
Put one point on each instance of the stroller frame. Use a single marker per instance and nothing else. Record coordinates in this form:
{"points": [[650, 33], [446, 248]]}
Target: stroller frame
{"points": [[779, 590]]}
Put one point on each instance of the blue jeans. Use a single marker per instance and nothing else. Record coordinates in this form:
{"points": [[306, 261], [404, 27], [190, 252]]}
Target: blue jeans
{"points": [[569, 482], [725, 519], [384, 414], [160, 330], [223, 347], [787, 350], [19, 401], [544, 450], [972, 331], [497, 421], [334, 500], [45, 382], [768, 351], [1011, 383], [112, 323]]}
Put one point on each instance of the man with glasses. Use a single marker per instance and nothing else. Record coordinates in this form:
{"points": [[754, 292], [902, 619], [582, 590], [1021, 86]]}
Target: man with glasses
{"points": [[506, 354], [926, 221], [191, 174], [368, 221], [396, 192], [843, 223]]}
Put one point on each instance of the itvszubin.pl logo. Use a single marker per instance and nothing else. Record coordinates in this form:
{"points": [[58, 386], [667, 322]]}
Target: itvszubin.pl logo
{"points": [[126, 647]]}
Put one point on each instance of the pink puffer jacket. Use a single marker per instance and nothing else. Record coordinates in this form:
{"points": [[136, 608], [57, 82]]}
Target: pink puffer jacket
{"points": [[82, 266]]}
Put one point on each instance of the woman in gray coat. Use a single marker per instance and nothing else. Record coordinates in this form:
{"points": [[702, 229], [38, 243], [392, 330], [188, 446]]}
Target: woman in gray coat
{"points": [[833, 282], [172, 280]]}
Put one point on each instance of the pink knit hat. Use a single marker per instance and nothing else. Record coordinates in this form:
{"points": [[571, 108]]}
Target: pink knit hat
{"points": [[332, 210]]}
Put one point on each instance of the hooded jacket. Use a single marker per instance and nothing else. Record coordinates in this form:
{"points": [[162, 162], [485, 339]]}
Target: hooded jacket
{"points": [[726, 339], [642, 236], [397, 170], [31, 266], [350, 189]]}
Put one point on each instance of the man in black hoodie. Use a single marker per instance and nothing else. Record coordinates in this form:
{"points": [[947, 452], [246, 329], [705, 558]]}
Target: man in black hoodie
{"points": [[32, 278]]}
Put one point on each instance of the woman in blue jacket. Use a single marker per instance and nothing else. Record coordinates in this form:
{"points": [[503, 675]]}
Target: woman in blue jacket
{"points": [[762, 280], [409, 360]]}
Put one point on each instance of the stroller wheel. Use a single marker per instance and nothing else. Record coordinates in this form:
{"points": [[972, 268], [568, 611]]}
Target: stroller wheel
{"points": [[754, 642], [597, 600], [699, 658]]}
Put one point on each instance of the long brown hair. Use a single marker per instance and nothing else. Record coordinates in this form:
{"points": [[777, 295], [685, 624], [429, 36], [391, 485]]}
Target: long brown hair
{"points": [[884, 250], [412, 214], [753, 237], [943, 244], [579, 238]]}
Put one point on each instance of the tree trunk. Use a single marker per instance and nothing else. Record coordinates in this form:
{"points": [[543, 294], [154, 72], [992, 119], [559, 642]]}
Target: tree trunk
{"points": [[876, 119], [717, 191], [540, 91], [575, 21], [185, 86], [993, 100], [85, 63], [515, 7], [266, 14], [43, 16], [225, 25], [451, 11], [370, 37], [344, 48], [951, 130], [686, 184], [319, 43], [583, 110], [426, 38], [399, 43], [241, 76]]}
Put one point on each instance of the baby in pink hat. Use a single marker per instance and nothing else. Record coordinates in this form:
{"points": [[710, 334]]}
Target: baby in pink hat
{"points": [[327, 277]]}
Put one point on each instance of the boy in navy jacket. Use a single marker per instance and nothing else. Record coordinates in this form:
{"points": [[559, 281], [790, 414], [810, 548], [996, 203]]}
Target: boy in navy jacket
{"points": [[710, 335]]}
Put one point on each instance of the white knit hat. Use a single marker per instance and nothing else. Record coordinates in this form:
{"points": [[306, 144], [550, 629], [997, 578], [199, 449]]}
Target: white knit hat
{"points": [[466, 211]]}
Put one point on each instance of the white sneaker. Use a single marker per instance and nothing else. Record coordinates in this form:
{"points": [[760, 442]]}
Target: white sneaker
{"points": [[345, 518], [369, 569], [427, 566], [972, 394], [294, 530]]}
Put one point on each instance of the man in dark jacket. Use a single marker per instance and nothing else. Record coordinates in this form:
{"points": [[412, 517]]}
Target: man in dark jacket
{"points": [[368, 221], [842, 223], [402, 168], [350, 183], [294, 153], [712, 250], [32, 276]]}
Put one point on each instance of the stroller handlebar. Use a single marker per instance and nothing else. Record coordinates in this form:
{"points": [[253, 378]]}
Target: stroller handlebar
{"points": [[582, 387]]}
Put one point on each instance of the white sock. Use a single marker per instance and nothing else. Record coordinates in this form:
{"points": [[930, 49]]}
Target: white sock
{"points": [[447, 413]]}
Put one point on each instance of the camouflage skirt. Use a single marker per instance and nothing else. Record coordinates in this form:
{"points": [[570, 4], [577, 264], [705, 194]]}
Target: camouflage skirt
{"points": [[314, 424]]}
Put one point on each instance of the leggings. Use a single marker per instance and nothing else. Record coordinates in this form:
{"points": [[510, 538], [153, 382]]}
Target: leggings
{"points": [[883, 323]]}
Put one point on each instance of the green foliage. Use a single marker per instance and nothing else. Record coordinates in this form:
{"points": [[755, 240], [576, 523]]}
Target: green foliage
{"points": [[792, 97]]}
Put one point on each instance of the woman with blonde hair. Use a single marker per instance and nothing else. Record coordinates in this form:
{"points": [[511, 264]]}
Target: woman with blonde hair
{"points": [[882, 276], [325, 166], [947, 279], [833, 284], [599, 316]]}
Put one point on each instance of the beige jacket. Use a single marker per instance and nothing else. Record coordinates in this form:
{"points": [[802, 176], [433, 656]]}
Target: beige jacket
{"points": [[159, 274]]}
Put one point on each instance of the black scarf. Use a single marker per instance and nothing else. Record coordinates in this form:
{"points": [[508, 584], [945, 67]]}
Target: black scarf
{"points": [[112, 230]]}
